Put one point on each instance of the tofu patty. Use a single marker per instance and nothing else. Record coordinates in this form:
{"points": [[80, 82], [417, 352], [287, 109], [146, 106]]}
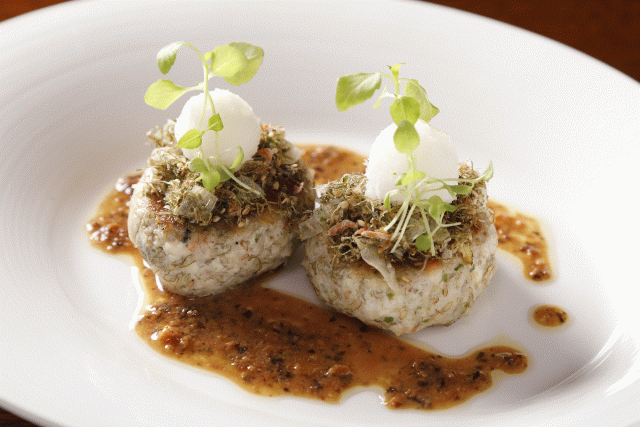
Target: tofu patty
{"points": [[198, 260], [200, 242], [438, 294], [353, 268]]}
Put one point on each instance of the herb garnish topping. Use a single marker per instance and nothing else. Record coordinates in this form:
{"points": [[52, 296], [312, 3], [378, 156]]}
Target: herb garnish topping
{"points": [[237, 63], [408, 106]]}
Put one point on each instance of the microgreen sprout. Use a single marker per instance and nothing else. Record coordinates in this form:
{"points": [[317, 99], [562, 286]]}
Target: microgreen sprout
{"points": [[237, 63], [408, 106]]}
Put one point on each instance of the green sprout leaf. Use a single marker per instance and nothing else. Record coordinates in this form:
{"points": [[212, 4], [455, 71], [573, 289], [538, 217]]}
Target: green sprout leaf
{"points": [[459, 189], [207, 57], [385, 94], [427, 110], [405, 108], [167, 56], [354, 89], [411, 176], [163, 93], [198, 165], [406, 138], [488, 173], [210, 179], [254, 55], [227, 61], [395, 71], [225, 174], [437, 207], [238, 159], [424, 242], [191, 139], [387, 201], [215, 123]]}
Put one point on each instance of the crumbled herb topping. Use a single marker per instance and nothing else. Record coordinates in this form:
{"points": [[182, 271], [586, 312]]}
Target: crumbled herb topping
{"points": [[352, 222], [279, 179]]}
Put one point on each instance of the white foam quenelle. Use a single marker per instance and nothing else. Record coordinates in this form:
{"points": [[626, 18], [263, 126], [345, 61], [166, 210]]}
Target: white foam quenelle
{"points": [[241, 126], [435, 156]]}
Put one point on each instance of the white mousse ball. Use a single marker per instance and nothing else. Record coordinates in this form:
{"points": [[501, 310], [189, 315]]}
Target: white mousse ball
{"points": [[435, 156], [241, 126]]}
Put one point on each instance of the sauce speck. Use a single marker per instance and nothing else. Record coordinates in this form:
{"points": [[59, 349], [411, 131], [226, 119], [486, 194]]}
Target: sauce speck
{"points": [[550, 315]]}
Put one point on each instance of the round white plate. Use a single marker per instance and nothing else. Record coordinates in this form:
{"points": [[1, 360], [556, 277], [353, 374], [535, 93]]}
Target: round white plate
{"points": [[561, 129]]}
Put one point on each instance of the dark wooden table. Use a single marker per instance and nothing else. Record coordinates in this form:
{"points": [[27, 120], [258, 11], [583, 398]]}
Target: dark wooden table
{"points": [[604, 29]]}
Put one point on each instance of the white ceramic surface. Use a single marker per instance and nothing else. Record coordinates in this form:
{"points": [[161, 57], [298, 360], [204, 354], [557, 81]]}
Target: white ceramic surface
{"points": [[562, 130]]}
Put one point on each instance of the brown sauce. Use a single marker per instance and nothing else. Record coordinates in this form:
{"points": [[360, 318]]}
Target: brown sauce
{"points": [[331, 162], [108, 229], [550, 315], [521, 236], [273, 344]]}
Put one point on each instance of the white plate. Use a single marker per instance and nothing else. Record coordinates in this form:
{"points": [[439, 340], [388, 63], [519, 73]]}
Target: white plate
{"points": [[561, 128]]}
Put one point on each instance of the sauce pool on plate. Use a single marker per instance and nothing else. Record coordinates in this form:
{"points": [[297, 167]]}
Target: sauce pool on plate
{"points": [[271, 343], [330, 162], [521, 236], [550, 315]]}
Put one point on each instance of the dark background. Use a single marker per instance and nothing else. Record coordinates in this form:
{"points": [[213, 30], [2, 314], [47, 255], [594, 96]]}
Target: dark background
{"points": [[607, 30]]}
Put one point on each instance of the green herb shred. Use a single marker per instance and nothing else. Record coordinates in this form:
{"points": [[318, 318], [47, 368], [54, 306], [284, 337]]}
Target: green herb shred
{"points": [[277, 179], [353, 221]]}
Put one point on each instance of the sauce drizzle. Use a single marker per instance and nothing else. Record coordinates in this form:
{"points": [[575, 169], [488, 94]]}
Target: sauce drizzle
{"points": [[271, 343], [521, 236]]}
